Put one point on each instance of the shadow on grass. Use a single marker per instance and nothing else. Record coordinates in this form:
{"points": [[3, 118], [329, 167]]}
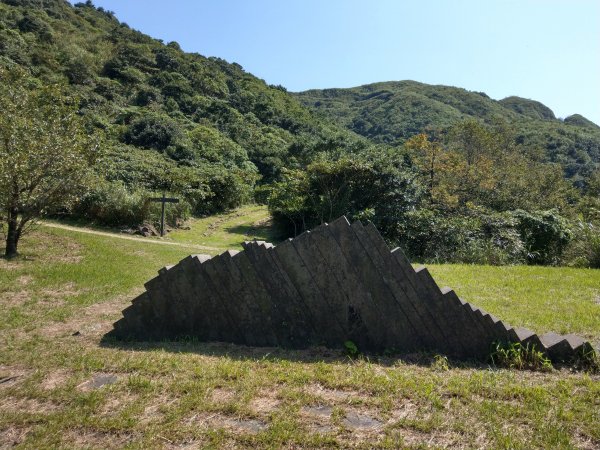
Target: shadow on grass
{"points": [[276, 354], [264, 232]]}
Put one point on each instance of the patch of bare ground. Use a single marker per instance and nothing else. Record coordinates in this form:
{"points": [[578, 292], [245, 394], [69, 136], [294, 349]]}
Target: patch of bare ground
{"points": [[265, 402], [403, 408], [153, 412], [55, 379], [52, 248], [222, 396], [12, 436], [221, 421], [335, 396], [167, 444], [91, 322], [117, 403], [60, 292], [11, 376], [585, 442], [29, 405], [14, 299], [408, 437], [24, 280], [93, 439]]}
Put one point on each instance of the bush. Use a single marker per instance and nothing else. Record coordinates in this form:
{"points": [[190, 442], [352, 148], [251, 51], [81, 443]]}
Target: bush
{"points": [[153, 131], [113, 204], [545, 235], [475, 237], [31, 23], [78, 72], [584, 249]]}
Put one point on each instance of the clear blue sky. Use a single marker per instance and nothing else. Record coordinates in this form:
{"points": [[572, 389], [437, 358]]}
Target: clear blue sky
{"points": [[547, 50]]}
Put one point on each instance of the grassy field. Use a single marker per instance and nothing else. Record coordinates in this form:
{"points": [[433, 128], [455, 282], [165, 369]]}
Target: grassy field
{"points": [[61, 388], [227, 231]]}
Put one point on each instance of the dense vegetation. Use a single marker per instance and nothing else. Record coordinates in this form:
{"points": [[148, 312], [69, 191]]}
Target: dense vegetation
{"points": [[392, 112], [200, 127], [446, 173]]}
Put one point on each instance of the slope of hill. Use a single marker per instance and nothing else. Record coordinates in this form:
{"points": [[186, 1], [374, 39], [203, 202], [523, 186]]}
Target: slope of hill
{"points": [[168, 115], [391, 112], [529, 108]]}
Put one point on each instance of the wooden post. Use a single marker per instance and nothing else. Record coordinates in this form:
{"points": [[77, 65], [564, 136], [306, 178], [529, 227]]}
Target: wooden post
{"points": [[164, 199], [162, 216]]}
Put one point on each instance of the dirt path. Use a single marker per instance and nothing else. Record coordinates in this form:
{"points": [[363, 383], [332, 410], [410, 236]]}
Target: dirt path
{"points": [[119, 236]]}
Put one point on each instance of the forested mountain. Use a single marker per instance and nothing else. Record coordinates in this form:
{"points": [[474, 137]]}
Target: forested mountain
{"points": [[392, 112], [171, 119], [448, 174]]}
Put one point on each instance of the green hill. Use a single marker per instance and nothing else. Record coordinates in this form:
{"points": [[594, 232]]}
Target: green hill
{"points": [[529, 108], [208, 132], [391, 112], [580, 121], [169, 117]]}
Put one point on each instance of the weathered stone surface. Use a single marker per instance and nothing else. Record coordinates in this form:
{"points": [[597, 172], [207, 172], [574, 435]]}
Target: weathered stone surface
{"points": [[336, 283], [325, 321], [396, 328]]}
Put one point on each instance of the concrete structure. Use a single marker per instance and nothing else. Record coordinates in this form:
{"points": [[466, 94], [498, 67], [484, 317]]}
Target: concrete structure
{"points": [[336, 283]]}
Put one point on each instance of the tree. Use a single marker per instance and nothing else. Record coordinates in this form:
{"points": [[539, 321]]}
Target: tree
{"points": [[44, 153], [437, 166]]}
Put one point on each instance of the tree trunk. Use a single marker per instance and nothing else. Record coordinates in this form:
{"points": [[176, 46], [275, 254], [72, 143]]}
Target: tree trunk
{"points": [[12, 236]]}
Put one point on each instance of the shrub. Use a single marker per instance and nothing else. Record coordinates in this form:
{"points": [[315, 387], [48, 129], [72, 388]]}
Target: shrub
{"points": [[153, 131], [31, 23], [113, 204], [584, 248], [78, 72], [545, 235]]}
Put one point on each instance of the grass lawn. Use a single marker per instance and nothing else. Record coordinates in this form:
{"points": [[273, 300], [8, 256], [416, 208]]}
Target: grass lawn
{"points": [[61, 297], [228, 231]]}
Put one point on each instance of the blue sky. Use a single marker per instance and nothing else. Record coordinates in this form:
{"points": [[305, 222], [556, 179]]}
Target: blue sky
{"points": [[547, 50]]}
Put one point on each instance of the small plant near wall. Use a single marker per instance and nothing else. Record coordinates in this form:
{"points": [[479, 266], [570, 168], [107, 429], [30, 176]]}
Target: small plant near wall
{"points": [[518, 356]]}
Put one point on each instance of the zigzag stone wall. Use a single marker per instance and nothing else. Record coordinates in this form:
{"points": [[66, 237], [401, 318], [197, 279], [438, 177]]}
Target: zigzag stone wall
{"points": [[335, 283]]}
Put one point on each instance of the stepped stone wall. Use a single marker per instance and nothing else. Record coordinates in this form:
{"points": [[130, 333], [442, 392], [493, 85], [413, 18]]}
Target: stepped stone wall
{"points": [[335, 283]]}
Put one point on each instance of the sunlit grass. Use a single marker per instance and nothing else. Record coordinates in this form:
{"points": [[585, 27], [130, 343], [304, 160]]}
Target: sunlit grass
{"points": [[229, 230], [64, 293]]}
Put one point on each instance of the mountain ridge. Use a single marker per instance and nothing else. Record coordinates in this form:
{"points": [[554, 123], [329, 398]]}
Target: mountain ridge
{"points": [[391, 112]]}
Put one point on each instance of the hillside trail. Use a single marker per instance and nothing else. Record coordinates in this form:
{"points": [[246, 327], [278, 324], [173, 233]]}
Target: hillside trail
{"points": [[126, 237]]}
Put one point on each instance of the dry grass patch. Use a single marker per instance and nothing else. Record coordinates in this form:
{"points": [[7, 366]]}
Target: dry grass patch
{"points": [[12, 375], [93, 439], [15, 405], [55, 379], [13, 299], [264, 404], [12, 436], [222, 396]]}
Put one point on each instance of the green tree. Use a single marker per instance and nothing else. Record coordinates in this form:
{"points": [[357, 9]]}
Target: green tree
{"points": [[44, 153]]}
